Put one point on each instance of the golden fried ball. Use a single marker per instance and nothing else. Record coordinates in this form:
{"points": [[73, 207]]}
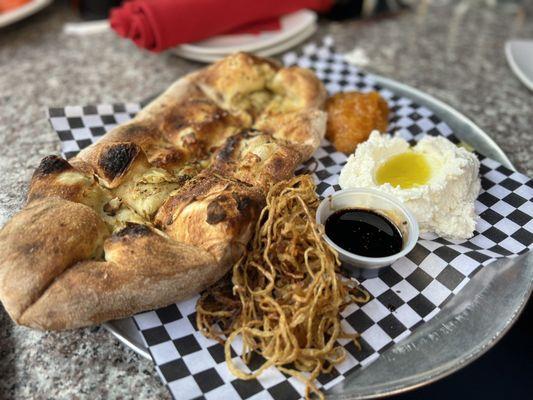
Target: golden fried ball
{"points": [[352, 116]]}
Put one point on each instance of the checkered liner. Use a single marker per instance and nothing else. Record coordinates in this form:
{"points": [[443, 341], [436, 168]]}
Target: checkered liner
{"points": [[407, 295]]}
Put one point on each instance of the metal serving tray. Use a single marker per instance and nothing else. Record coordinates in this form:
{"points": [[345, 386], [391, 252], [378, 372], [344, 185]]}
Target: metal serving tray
{"points": [[468, 325]]}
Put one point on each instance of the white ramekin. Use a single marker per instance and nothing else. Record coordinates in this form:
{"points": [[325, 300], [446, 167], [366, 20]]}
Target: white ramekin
{"points": [[382, 203]]}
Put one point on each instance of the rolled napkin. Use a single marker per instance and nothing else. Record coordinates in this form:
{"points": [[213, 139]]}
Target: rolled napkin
{"points": [[157, 25]]}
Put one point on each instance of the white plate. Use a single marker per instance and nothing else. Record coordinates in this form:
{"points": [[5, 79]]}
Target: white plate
{"points": [[264, 52], [520, 58], [291, 25], [22, 12]]}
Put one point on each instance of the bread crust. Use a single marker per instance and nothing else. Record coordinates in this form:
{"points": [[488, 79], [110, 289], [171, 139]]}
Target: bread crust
{"points": [[220, 214], [142, 270], [40, 243], [257, 159], [163, 205]]}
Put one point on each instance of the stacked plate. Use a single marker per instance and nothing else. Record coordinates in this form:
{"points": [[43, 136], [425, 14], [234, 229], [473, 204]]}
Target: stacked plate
{"points": [[295, 28]]}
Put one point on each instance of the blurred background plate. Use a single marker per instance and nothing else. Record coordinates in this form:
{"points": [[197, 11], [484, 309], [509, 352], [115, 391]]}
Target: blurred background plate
{"points": [[264, 52], [519, 55], [291, 25], [22, 12], [467, 326]]}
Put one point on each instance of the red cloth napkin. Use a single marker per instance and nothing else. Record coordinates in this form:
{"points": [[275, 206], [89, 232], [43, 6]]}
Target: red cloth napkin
{"points": [[157, 25]]}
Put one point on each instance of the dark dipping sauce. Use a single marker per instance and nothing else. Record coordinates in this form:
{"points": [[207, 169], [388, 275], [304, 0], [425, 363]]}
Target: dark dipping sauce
{"points": [[364, 232]]}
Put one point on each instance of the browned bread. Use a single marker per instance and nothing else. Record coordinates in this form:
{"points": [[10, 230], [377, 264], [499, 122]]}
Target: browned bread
{"points": [[164, 204]]}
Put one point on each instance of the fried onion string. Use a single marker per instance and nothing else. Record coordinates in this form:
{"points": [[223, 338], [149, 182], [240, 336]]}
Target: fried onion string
{"points": [[285, 295]]}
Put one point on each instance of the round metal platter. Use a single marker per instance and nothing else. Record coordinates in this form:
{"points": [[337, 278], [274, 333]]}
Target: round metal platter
{"points": [[467, 326]]}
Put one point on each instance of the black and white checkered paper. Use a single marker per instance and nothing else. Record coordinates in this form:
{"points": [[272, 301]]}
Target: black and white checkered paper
{"points": [[408, 294]]}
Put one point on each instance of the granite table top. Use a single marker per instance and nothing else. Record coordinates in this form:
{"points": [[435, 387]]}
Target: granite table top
{"points": [[452, 50]]}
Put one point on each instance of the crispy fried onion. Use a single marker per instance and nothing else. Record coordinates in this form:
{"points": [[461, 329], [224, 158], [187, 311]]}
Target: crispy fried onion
{"points": [[285, 296]]}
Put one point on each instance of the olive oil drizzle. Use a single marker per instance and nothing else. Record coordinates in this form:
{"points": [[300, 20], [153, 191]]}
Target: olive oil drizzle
{"points": [[406, 170]]}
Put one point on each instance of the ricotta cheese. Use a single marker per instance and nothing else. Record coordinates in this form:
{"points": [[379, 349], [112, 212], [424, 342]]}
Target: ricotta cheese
{"points": [[444, 204]]}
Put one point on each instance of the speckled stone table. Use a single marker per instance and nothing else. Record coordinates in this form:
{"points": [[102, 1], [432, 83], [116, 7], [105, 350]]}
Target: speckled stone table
{"points": [[451, 50]]}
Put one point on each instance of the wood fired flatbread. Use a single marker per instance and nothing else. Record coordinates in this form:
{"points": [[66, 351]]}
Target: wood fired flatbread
{"points": [[163, 205]]}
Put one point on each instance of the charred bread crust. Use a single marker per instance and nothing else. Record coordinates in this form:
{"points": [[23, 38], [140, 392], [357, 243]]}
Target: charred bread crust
{"points": [[114, 161], [51, 165], [219, 213], [163, 205], [46, 181], [257, 159]]}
